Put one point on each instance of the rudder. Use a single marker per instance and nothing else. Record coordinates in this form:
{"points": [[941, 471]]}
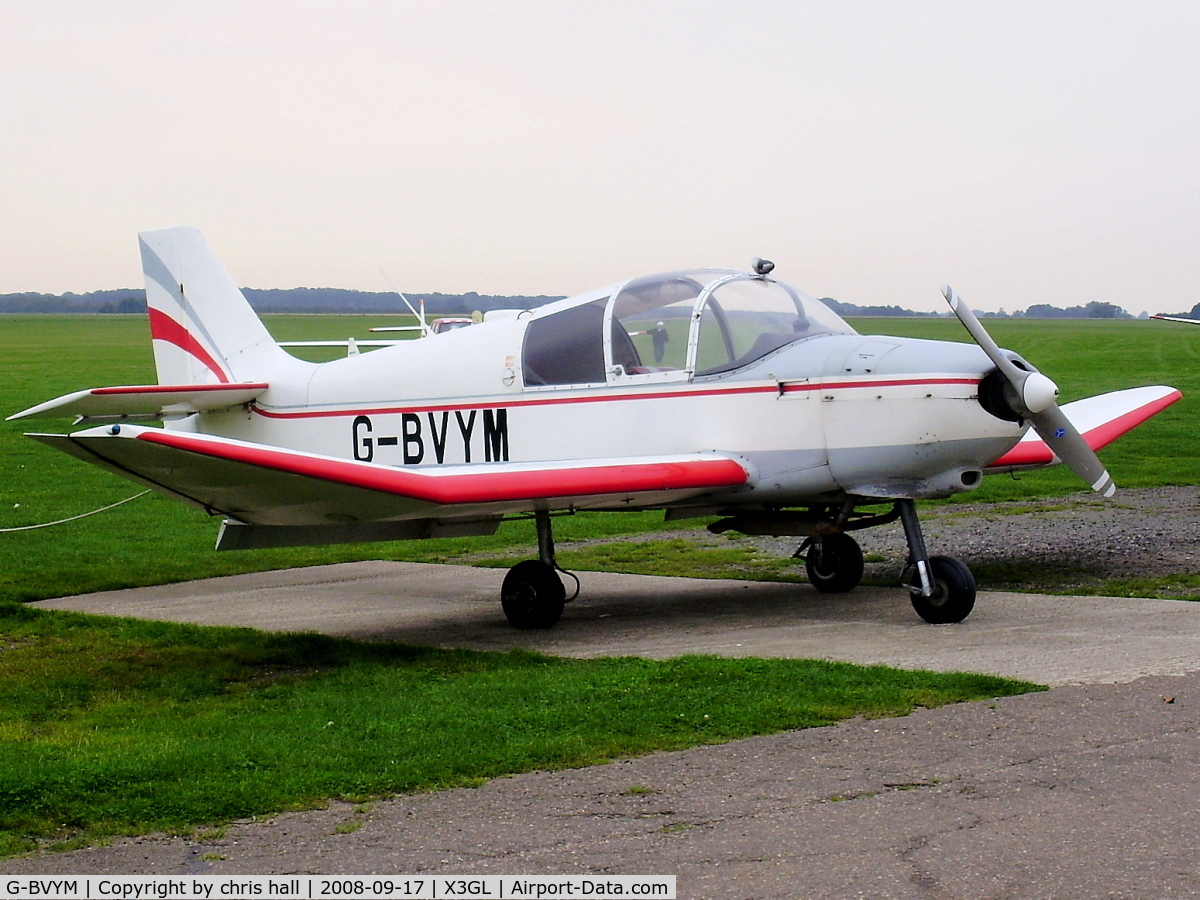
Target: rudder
{"points": [[203, 328]]}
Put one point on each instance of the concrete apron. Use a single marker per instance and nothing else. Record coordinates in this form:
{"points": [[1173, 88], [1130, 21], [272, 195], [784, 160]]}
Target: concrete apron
{"points": [[1048, 639]]}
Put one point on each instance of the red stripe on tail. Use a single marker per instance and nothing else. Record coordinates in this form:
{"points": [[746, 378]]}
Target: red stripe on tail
{"points": [[164, 328]]}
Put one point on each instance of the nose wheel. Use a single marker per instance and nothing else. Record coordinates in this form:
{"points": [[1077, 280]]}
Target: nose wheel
{"points": [[953, 595], [942, 587]]}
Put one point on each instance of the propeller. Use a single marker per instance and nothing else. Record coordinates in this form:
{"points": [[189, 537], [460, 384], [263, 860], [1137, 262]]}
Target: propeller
{"points": [[1032, 397]]}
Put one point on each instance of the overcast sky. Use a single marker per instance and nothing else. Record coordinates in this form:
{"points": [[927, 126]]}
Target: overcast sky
{"points": [[1040, 152]]}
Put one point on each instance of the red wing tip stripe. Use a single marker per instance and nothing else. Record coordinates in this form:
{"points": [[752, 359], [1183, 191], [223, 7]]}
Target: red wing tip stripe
{"points": [[179, 388], [1105, 434], [1037, 453], [482, 487]]}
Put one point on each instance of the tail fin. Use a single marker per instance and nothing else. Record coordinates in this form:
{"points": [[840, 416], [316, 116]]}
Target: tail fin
{"points": [[203, 328]]}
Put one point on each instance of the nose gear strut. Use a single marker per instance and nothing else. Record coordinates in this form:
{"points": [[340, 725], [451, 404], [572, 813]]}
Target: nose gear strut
{"points": [[942, 588]]}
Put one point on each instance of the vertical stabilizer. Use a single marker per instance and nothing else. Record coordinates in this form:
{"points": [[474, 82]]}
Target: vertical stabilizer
{"points": [[203, 328]]}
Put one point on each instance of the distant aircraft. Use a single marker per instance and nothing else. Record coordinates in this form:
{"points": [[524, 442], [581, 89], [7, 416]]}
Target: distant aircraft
{"points": [[766, 409], [424, 329], [440, 326]]}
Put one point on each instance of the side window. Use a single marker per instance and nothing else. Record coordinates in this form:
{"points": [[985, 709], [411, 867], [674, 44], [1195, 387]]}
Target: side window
{"points": [[566, 348], [657, 338], [652, 320]]}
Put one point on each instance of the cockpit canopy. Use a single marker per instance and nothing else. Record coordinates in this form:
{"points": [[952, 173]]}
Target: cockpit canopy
{"points": [[671, 327]]}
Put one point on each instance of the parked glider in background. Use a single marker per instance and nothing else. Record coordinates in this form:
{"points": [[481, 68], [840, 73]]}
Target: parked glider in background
{"points": [[765, 408]]}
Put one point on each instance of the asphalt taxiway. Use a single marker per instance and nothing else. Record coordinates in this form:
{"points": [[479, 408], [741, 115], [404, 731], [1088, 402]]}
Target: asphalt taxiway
{"points": [[1088, 789], [1049, 639]]}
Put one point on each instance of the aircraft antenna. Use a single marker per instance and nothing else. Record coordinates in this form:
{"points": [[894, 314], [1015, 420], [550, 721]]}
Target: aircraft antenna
{"points": [[420, 315]]}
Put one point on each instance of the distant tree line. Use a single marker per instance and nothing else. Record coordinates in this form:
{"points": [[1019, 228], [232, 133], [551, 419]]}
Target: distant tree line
{"points": [[339, 300], [1094, 310], [853, 309], [301, 300], [121, 300]]}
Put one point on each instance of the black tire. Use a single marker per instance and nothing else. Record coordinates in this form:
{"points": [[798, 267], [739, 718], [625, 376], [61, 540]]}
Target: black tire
{"points": [[834, 564], [953, 595], [532, 595]]}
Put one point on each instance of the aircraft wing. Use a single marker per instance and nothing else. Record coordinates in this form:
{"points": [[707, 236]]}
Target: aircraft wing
{"points": [[1177, 319], [264, 485], [1100, 420], [151, 401]]}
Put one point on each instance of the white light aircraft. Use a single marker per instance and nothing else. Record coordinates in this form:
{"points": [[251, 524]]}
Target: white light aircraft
{"points": [[761, 406]]}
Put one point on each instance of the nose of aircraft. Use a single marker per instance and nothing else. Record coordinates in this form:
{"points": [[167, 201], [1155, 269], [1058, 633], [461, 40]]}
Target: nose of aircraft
{"points": [[1051, 425], [903, 418], [898, 357], [1038, 392]]}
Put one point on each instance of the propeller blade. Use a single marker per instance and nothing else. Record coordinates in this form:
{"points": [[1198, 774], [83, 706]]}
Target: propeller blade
{"points": [[975, 328], [1034, 391], [1053, 427], [1037, 393]]}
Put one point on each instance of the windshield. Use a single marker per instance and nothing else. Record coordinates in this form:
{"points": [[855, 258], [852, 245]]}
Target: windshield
{"points": [[745, 318], [671, 327], [711, 321]]}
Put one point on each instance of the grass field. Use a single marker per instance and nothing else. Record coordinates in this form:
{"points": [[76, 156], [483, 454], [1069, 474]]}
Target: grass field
{"points": [[111, 726], [155, 540], [167, 727]]}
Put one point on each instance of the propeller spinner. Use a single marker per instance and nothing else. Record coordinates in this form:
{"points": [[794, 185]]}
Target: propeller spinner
{"points": [[1033, 398]]}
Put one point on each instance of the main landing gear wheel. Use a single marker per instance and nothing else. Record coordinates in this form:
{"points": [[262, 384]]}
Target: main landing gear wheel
{"points": [[953, 592], [834, 564], [532, 595]]}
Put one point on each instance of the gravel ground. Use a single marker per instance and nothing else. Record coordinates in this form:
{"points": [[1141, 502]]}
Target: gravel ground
{"points": [[1068, 544], [1074, 544]]}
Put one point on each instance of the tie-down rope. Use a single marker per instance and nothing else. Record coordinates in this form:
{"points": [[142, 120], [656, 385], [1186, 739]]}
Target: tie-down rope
{"points": [[73, 518]]}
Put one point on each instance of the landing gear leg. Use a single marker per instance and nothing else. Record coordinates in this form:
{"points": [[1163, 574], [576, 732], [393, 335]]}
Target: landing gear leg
{"points": [[533, 595], [545, 536], [943, 588]]}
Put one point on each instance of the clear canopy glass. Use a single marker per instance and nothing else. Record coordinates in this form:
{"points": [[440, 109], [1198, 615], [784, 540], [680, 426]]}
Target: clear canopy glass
{"points": [[674, 325], [712, 321]]}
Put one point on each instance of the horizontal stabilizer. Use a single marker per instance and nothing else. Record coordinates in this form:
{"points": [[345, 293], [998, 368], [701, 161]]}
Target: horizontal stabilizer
{"points": [[263, 485], [347, 343], [1100, 420], [144, 400]]}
